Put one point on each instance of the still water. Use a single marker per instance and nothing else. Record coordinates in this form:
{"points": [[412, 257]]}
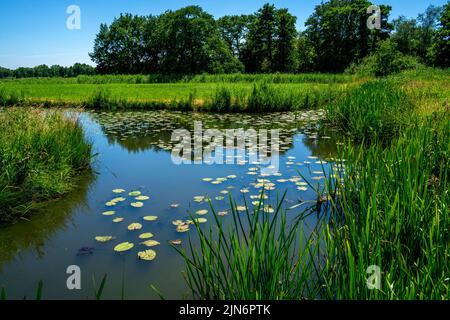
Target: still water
{"points": [[134, 152]]}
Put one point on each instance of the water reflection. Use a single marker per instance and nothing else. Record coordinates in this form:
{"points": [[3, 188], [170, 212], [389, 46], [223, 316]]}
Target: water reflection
{"points": [[138, 131], [31, 234]]}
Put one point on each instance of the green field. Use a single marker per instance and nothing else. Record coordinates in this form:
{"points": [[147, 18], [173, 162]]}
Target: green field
{"points": [[283, 91]]}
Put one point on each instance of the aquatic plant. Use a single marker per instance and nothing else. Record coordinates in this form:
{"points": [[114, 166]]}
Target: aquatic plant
{"points": [[255, 257]]}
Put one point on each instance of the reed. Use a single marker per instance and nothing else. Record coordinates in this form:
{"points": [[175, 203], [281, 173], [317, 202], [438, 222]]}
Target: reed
{"points": [[41, 154], [255, 257]]}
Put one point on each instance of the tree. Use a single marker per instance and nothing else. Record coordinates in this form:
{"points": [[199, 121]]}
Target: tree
{"points": [[185, 41], [270, 42], [5, 73], [234, 30], [284, 41], [119, 48], [259, 50], [406, 35], [439, 53], [192, 43], [306, 54], [338, 31], [428, 22]]}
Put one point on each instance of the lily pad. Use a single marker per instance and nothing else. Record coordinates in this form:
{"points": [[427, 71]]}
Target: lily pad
{"points": [[135, 226], [119, 199], [124, 246], [109, 213], [137, 204], [117, 220], [177, 222], [183, 228], [201, 212], [134, 193], [147, 255], [174, 205], [146, 235], [104, 238], [150, 243], [200, 220], [142, 198], [150, 218], [118, 191], [175, 242]]}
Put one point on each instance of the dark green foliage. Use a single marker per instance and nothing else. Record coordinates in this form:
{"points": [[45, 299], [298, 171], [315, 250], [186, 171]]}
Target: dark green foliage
{"points": [[119, 48], [270, 42], [45, 71], [439, 53], [338, 32], [386, 60], [414, 37], [185, 41], [234, 30]]}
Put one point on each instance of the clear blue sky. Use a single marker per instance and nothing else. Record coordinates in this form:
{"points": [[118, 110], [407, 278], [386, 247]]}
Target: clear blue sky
{"points": [[34, 32]]}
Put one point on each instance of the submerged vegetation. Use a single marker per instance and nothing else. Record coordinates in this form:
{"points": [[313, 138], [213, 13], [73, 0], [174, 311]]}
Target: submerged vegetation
{"points": [[41, 154]]}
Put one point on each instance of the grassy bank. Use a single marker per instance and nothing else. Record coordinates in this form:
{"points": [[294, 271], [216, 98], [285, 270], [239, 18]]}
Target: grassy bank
{"points": [[388, 208], [246, 93], [41, 154]]}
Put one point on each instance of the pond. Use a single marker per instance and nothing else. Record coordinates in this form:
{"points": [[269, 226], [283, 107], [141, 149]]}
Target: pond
{"points": [[135, 152]]}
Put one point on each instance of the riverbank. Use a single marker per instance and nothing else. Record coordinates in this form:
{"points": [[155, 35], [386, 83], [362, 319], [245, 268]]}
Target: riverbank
{"points": [[42, 152]]}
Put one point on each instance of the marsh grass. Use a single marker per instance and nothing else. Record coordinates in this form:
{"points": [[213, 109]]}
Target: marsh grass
{"points": [[41, 152], [377, 110], [254, 257], [393, 212]]}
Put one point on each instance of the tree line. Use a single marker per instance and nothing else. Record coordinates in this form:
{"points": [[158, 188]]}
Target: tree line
{"points": [[46, 71], [336, 38]]}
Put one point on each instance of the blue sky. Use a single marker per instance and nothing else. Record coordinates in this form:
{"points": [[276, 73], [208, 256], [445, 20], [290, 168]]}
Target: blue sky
{"points": [[34, 32]]}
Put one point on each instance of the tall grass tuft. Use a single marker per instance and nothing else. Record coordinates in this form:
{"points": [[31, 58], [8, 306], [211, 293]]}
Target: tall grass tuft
{"points": [[255, 257], [40, 154], [393, 212], [377, 110]]}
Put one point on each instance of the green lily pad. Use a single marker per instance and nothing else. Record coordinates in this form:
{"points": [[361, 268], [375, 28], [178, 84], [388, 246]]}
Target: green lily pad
{"points": [[137, 204], [150, 218], [104, 238], [124, 246], [146, 235], [150, 243], [135, 226], [147, 255]]}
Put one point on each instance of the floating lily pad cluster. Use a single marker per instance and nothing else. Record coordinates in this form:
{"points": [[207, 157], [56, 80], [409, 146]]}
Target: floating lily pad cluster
{"points": [[136, 200], [154, 124]]}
